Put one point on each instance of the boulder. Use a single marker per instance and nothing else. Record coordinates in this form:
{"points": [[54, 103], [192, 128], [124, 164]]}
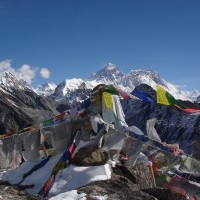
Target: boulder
{"points": [[90, 156]]}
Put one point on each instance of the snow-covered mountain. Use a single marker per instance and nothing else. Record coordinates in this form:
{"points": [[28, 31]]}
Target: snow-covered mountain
{"points": [[109, 74], [151, 78], [20, 106], [8, 82], [66, 87], [46, 89], [77, 89]]}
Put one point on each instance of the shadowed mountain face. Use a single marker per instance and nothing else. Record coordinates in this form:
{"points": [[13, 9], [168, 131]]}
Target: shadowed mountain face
{"points": [[20, 106], [198, 100], [173, 125]]}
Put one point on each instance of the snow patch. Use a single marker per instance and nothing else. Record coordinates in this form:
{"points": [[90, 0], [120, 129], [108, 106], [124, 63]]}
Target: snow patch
{"points": [[71, 195]]}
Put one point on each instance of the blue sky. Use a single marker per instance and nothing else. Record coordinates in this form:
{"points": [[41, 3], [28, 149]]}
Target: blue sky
{"points": [[74, 38]]}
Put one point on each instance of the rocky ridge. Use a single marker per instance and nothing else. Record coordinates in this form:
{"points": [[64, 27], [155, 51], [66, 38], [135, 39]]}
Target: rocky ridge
{"points": [[20, 106]]}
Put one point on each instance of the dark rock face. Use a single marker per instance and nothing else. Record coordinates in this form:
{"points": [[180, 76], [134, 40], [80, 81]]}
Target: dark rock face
{"points": [[197, 138], [198, 100], [173, 126], [21, 107], [62, 106], [148, 89], [163, 194]]}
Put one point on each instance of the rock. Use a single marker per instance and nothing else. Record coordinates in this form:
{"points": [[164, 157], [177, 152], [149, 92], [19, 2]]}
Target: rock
{"points": [[8, 192], [121, 186], [163, 193], [144, 176], [90, 156]]}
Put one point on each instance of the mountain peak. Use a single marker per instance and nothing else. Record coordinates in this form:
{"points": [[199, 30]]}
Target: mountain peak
{"points": [[6, 77], [46, 89], [109, 73], [150, 77], [110, 67], [8, 81], [50, 85]]}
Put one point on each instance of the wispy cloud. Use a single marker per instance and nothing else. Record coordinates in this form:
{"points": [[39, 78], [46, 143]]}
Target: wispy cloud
{"points": [[5, 65], [45, 73], [25, 72]]}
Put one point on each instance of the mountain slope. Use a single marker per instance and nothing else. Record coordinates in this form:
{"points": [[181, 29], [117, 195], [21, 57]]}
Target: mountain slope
{"points": [[20, 106], [46, 89], [173, 125], [109, 74], [151, 78]]}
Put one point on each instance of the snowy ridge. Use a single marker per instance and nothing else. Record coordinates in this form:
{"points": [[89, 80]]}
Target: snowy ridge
{"points": [[70, 89], [8, 81], [19, 105], [110, 73], [67, 86], [46, 89]]}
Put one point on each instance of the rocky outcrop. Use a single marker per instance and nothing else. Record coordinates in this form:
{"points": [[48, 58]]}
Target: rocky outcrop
{"points": [[124, 185], [90, 156], [127, 181], [163, 194]]}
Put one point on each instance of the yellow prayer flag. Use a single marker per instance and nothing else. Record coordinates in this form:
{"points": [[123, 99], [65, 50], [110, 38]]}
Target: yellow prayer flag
{"points": [[161, 95], [107, 97]]}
